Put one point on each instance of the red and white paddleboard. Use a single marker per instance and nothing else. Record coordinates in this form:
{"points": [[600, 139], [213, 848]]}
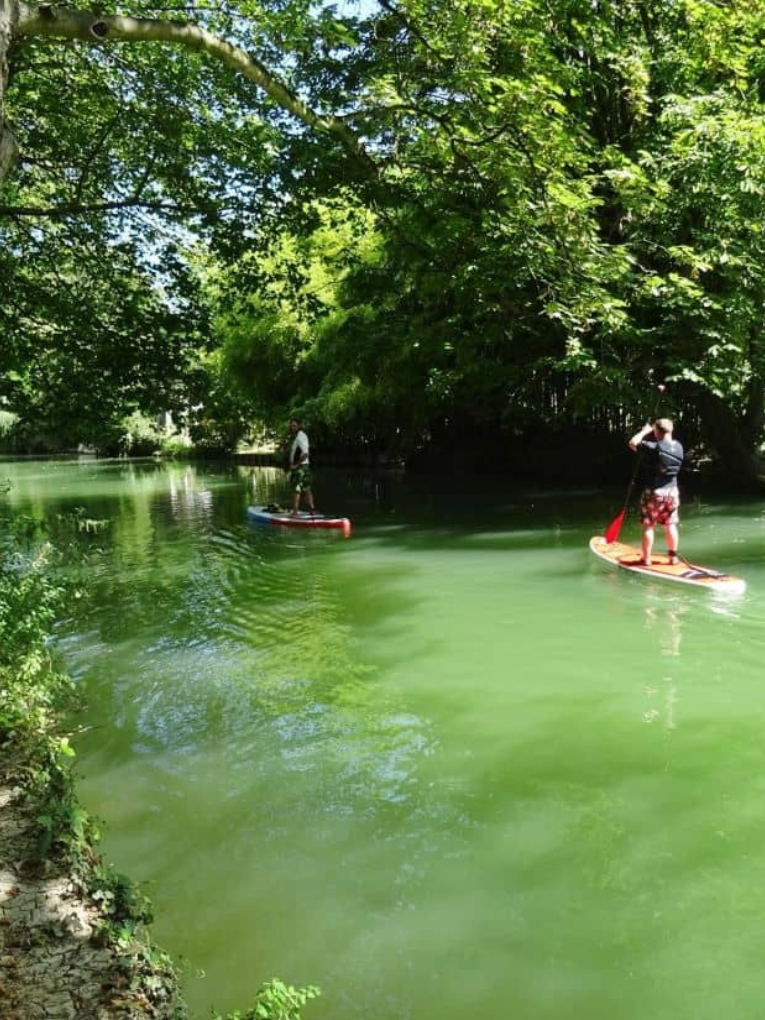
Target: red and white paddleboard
{"points": [[302, 519], [627, 557]]}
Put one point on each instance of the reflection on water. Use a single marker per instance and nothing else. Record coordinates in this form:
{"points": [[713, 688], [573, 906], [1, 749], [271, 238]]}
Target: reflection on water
{"points": [[414, 768], [666, 623], [666, 697], [661, 692], [187, 498]]}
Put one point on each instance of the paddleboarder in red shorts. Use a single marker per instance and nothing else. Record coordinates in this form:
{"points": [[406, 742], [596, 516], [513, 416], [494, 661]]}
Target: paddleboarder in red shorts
{"points": [[660, 501]]}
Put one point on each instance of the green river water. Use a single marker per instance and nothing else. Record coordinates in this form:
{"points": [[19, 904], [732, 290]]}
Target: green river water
{"points": [[450, 768]]}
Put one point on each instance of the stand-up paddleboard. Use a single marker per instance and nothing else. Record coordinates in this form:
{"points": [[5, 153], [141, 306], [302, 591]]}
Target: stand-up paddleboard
{"points": [[303, 519], [619, 554]]}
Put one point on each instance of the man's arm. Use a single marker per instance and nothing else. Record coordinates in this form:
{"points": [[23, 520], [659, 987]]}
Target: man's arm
{"points": [[638, 438]]}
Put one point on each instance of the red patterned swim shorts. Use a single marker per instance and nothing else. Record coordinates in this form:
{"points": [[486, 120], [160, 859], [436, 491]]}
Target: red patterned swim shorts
{"points": [[659, 507]]}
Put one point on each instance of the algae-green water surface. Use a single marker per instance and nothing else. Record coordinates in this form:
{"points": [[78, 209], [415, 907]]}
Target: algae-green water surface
{"points": [[452, 767]]}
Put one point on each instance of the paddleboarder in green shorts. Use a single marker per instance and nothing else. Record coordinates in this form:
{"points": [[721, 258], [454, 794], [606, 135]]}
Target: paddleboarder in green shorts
{"points": [[660, 502], [299, 467]]}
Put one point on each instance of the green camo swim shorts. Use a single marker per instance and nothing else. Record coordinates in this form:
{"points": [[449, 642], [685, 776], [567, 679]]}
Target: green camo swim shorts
{"points": [[300, 478]]}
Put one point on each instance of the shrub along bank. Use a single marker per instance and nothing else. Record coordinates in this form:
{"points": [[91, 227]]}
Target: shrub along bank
{"points": [[73, 933], [74, 940]]}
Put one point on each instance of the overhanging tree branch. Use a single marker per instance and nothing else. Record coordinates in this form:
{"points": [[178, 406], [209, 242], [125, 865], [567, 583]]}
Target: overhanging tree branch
{"points": [[61, 212], [44, 21]]}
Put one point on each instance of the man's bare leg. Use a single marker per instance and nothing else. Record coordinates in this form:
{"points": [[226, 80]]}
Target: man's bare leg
{"points": [[647, 545], [673, 539]]}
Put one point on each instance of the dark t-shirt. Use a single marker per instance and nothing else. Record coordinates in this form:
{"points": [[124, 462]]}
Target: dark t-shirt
{"points": [[664, 458]]}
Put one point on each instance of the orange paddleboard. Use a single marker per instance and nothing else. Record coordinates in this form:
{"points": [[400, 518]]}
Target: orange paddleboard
{"points": [[619, 554]]}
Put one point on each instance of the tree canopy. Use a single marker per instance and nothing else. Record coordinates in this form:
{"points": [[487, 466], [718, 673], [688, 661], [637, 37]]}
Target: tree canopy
{"points": [[423, 225]]}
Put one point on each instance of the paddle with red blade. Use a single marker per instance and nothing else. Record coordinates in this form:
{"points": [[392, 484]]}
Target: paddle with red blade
{"points": [[613, 529]]}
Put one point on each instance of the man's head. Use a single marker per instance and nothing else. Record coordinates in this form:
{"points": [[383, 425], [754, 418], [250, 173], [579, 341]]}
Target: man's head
{"points": [[294, 425], [663, 427]]}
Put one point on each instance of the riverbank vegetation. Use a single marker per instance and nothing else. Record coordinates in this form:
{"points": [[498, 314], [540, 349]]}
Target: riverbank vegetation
{"points": [[53, 836], [475, 231]]}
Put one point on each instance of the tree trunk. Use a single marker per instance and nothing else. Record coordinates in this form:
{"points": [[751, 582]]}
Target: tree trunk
{"points": [[8, 18], [733, 441]]}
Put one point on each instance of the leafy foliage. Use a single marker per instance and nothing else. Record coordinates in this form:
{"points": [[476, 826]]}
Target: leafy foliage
{"points": [[565, 205], [274, 1001], [31, 687], [569, 212]]}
